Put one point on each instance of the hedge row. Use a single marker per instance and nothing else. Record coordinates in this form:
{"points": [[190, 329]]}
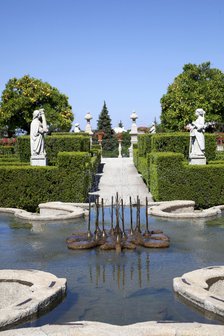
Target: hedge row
{"points": [[25, 187], [172, 179], [144, 144], [7, 150], [174, 142], [53, 145], [70, 134]]}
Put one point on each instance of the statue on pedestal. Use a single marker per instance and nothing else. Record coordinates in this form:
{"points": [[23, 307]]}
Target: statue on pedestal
{"points": [[38, 128], [197, 138]]}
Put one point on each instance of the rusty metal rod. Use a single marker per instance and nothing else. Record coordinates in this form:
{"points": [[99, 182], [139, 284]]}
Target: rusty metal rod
{"points": [[131, 217]]}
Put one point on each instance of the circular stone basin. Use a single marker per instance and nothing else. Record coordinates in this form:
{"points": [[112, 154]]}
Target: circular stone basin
{"points": [[217, 288], [27, 292], [183, 210], [204, 288]]}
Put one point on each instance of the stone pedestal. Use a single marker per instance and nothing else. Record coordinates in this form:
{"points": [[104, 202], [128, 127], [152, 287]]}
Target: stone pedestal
{"points": [[38, 160], [197, 160], [119, 149], [133, 133]]}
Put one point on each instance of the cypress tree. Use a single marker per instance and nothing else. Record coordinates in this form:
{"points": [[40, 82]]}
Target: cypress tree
{"points": [[104, 124]]}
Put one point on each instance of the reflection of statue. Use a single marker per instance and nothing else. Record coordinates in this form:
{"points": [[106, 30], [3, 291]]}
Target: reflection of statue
{"points": [[38, 128], [197, 138]]}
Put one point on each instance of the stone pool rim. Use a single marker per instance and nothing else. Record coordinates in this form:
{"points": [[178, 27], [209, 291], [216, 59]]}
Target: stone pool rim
{"points": [[151, 328], [44, 290], [194, 287]]}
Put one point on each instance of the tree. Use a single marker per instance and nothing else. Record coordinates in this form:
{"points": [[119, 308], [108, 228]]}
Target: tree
{"points": [[104, 124], [120, 124], [22, 96], [198, 86]]}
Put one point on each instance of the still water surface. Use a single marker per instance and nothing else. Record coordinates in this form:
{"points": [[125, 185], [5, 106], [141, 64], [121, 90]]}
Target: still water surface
{"points": [[125, 288]]}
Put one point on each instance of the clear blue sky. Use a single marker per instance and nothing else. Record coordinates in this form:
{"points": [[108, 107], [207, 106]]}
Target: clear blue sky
{"points": [[125, 52]]}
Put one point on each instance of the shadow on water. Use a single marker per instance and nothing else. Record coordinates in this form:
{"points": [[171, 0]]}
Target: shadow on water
{"points": [[124, 288]]}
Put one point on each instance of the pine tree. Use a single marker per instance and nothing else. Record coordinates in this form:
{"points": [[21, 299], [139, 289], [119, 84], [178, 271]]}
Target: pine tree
{"points": [[104, 124]]}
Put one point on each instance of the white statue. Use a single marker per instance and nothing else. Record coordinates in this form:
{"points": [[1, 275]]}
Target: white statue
{"points": [[38, 128], [77, 128], [197, 138]]}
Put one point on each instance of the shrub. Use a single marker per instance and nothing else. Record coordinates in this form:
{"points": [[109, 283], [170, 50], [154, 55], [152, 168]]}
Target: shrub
{"points": [[179, 143], [172, 179], [219, 155], [144, 144], [26, 186], [6, 150], [143, 168], [53, 144]]}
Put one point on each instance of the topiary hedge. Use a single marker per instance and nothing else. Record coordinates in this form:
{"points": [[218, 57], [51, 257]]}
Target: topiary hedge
{"points": [[179, 143], [168, 142], [144, 144], [172, 179], [7, 150], [53, 144], [26, 186]]}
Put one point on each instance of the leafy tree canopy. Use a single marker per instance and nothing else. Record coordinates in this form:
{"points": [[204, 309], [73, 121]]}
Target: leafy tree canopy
{"points": [[198, 86], [22, 96]]}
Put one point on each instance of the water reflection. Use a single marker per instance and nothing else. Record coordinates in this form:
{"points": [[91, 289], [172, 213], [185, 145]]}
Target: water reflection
{"points": [[123, 288], [131, 273]]}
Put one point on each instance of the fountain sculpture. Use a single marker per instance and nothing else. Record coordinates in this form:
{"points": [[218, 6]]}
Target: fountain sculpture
{"points": [[117, 237]]}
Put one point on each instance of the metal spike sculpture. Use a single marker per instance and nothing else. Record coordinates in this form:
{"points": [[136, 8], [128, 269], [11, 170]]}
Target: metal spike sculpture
{"points": [[117, 237]]}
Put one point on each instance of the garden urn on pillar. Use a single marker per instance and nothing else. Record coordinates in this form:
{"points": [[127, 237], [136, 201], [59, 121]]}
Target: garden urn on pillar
{"points": [[133, 132], [88, 128]]}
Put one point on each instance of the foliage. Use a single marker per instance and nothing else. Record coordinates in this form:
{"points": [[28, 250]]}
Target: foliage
{"points": [[126, 143], [219, 155], [26, 187], [143, 168], [104, 124], [6, 150], [144, 144], [198, 86], [177, 142], [22, 96], [171, 179], [54, 144]]}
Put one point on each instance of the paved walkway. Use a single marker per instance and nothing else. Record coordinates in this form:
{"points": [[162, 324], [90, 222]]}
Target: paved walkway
{"points": [[120, 175]]}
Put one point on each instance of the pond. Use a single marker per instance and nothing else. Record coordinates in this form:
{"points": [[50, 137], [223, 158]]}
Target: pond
{"points": [[133, 286]]}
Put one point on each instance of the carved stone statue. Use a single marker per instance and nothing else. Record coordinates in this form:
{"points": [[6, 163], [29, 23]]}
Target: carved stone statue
{"points": [[38, 128], [77, 128], [197, 138]]}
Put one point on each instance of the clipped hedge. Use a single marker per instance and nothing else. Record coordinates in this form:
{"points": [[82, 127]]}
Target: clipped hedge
{"points": [[168, 142], [7, 150], [144, 144], [13, 163], [135, 156], [172, 179], [143, 168], [53, 145], [179, 143], [26, 186]]}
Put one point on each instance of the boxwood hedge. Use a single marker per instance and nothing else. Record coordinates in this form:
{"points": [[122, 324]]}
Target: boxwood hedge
{"points": [[171, 178], [27, 186], [54, 144]]}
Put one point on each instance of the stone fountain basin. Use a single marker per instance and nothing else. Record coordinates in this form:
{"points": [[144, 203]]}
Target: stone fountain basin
{"points": [[27, 292], [51, 211], [182, 210], [204, 288], [152, 328]]}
